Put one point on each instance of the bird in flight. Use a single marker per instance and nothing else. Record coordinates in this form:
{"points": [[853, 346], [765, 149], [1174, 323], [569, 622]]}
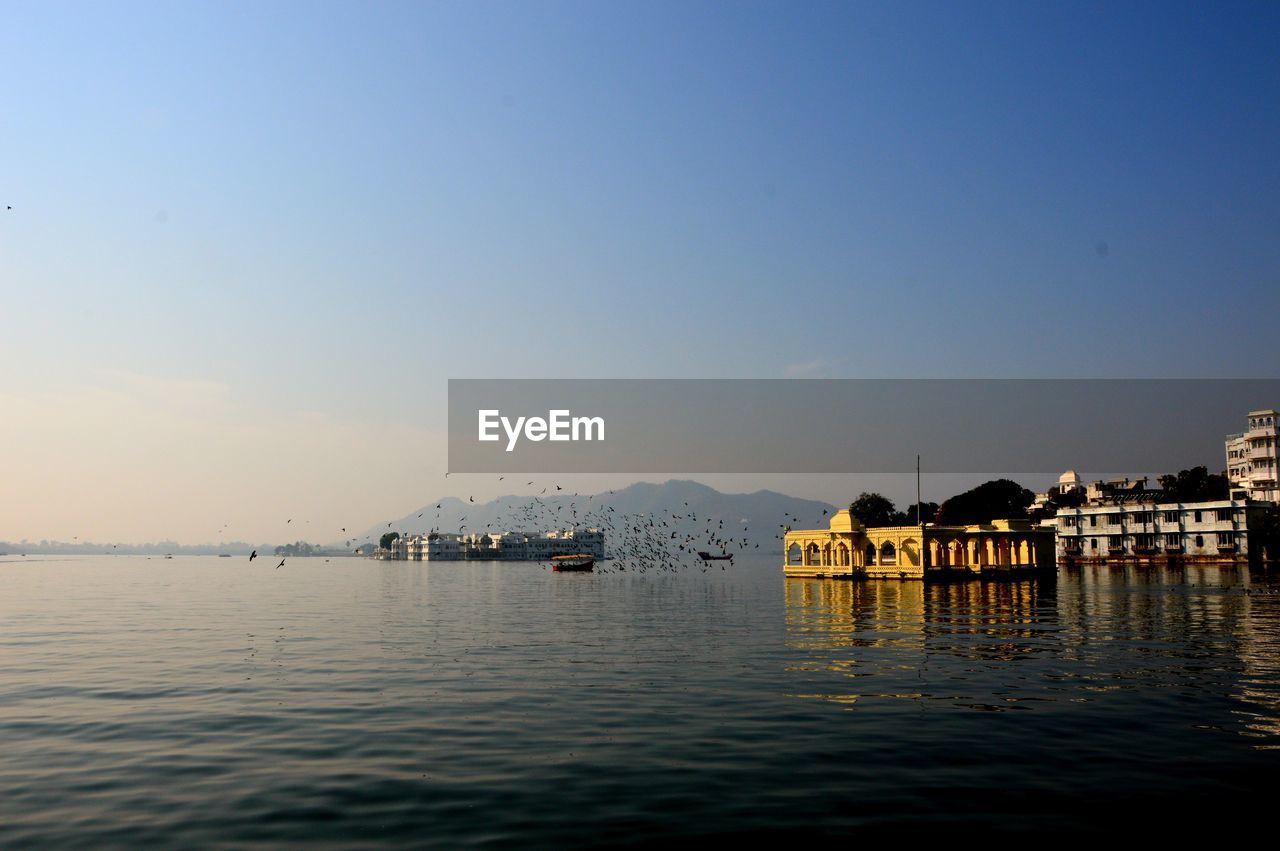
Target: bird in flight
{"points": [[280, 565], [253, 555]]}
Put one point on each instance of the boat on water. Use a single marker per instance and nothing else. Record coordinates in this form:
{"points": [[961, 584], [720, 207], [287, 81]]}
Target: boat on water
{"points": [[577, 563], [705, 556]]}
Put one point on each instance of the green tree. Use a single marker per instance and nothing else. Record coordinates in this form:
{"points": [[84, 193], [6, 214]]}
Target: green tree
{"points": [[1000, 499], [1195, 485], [874, 510], [928, 510], [388, 539]]}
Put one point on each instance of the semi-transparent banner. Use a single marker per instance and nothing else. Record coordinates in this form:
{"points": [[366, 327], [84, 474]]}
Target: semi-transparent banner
{"points": [[846, 425]]}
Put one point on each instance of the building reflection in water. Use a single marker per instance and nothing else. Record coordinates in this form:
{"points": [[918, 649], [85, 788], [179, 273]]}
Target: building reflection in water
{"points": [[886, 636], [1152, 635]]}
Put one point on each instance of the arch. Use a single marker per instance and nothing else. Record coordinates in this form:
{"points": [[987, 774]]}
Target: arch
{"points": [[871, 554], [811, 554], [826, 554], [911, 552], [958, 553], [842, 554], [888, 554], [794, 554]]}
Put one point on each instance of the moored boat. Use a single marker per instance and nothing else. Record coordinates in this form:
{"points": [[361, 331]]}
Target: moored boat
{"points": [[705, 556], [577, 563]]}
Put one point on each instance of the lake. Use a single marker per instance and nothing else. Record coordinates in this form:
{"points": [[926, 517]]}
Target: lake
{"points": [[213, 702]]}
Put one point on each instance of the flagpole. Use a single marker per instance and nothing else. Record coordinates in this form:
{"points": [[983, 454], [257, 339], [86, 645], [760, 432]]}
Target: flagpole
{"points": [[919, 515]]}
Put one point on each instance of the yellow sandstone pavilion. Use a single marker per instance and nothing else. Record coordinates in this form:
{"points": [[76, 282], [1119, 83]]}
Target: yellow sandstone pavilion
{"points": [[849, 550]]}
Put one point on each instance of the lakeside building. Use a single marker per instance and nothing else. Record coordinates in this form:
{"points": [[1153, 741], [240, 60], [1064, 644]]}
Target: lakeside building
{"points": [[1253, 458], [496, 546], [1140, 527], [1068, 482], [849, 550]]}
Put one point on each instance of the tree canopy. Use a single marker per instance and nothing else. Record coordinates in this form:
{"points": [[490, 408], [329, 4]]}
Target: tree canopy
{"points": [[388, 539], [995, 500], [1195, 485], [874, 510], [928, 510]]}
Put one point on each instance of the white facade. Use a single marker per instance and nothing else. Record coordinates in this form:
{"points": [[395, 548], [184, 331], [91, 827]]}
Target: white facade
{"points": [[1253, 458], [1068, 482], [502, 546], [1215, 530]]}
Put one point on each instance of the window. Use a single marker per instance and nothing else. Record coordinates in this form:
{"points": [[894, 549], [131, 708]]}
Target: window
{"points": [[1226, 539], [1197, 520], [1093, 543], [1171, 517], [1199, 540], [1224, 515], [1093, 520], [1172, 540]]}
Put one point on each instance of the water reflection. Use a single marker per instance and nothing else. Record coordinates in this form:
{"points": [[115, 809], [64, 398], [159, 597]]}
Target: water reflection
{"points": [[1199, 644]]}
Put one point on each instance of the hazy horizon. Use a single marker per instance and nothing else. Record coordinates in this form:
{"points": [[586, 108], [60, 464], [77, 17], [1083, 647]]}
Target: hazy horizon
{"points": [[899, 489]]}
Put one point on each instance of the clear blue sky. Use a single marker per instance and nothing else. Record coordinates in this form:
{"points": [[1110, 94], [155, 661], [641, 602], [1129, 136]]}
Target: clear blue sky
{"points": [[320, 211]]}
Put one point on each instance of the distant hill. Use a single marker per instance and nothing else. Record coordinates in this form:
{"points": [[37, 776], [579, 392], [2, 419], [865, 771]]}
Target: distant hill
{"points": [[757, 517]]}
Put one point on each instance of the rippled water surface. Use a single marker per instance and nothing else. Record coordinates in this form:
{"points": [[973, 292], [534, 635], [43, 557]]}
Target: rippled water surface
{"points": [[205, 701]]}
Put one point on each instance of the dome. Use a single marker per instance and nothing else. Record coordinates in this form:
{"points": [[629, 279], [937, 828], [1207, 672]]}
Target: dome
{"points": [[844, 521]]}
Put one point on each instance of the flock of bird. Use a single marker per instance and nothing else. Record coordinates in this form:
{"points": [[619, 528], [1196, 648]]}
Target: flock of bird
{"points": [[664, 539]]}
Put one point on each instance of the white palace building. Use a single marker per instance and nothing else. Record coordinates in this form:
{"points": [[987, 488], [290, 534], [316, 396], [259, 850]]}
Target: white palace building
{"points": [[496, 546], [1253, 457]]}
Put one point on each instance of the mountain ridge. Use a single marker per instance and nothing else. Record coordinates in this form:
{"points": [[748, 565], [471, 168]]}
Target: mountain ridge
{"points": [[757, 517]]}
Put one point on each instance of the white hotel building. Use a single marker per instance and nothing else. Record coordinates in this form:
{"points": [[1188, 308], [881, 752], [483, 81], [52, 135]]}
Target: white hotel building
{"points": [[498, 546], [1138, 530], [1253, 458]]}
